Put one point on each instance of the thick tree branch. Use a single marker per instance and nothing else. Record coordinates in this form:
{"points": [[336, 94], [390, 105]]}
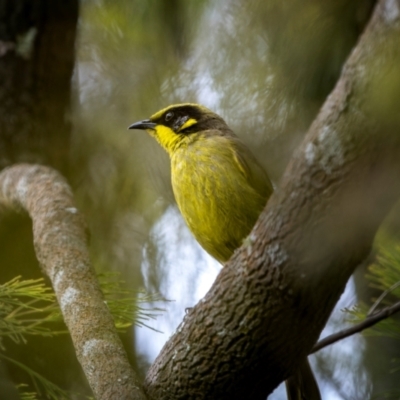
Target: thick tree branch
{"points": [[269, 304], [61, 248]]}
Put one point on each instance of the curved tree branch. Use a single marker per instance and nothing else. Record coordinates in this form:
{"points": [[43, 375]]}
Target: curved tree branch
{"points": [[269, 304], [61, 248]]}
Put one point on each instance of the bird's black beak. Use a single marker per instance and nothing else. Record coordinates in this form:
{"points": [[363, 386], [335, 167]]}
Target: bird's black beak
{"points": [[145, 124]]}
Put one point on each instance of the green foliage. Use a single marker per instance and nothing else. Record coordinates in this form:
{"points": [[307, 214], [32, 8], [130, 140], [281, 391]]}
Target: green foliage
{"points": [[124, 303], [29, 307], [42, 386], [384, 275], [26, 308]]}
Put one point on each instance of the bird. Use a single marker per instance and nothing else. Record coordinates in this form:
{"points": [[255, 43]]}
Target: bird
{"points": [[219, 186]]}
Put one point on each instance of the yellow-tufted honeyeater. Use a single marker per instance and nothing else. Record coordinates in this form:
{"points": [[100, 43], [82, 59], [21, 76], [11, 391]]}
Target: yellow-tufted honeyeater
{"points": [[218, 184]]}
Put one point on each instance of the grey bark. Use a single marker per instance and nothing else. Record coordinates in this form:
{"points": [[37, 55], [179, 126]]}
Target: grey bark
{"points": [[60, 240]]}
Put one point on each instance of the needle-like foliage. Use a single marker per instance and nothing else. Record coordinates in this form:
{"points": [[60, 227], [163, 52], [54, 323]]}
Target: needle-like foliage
{"points": [[29, 307]]}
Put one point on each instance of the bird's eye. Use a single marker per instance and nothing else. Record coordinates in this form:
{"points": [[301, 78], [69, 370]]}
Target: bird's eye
{"points": [[169, 115]]}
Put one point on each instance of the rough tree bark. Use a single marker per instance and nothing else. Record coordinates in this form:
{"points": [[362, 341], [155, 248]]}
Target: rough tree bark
{"points": [[269, 304], [36, 62], [61, 247], [37, 53]]}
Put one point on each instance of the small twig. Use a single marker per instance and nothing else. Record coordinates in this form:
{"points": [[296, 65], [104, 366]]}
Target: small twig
{"points": [[381, 297], [367, 323]]}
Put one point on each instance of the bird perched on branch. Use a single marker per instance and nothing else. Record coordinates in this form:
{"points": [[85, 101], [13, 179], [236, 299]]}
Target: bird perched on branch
{"points": [[218, 184]]}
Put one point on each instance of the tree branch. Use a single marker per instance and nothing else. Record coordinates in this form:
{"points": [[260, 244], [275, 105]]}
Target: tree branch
{"points": [[367, 323], [61, 248]]}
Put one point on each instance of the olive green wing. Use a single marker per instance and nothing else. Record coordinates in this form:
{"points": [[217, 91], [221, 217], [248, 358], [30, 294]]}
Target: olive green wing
{"points": [[254, 173]]}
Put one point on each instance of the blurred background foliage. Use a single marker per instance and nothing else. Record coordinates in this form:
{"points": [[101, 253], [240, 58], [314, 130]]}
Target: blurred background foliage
{"points": [[266, 67]]}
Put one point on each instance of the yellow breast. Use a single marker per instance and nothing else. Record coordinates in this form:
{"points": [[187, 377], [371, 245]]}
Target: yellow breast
{"points": [[216, 197]]}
